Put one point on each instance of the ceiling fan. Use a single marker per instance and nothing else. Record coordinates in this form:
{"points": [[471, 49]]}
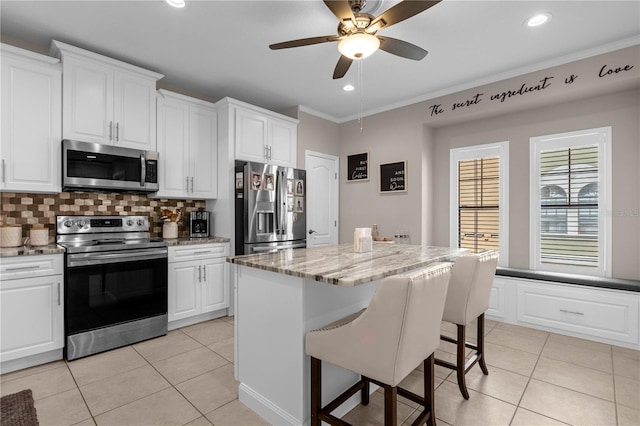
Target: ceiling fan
{"points": [[357, 32]]}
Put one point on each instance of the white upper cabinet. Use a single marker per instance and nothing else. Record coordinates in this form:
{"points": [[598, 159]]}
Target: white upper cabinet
{"points": [[105, 100], [31, 122], [261, 135], [187, 143]]}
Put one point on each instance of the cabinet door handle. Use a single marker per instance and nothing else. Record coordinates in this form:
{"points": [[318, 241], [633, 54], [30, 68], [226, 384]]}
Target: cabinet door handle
{"points": [[3, 167], [117, 132], [58, 294], [199, 273], [111, 130], [269, 152], [191, 183], [187, 183], [204, 273], [571, 312]]}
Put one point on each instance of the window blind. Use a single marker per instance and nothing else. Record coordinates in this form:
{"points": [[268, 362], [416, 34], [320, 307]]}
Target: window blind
{"points": [[478, 204], [569, 206]]}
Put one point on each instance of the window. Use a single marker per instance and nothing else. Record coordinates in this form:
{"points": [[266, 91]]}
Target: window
{"points": [[569, 191], [479, 179]]}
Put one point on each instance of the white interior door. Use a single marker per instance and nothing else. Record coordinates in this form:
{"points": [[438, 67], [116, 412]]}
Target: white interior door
{"points": [[322, 198]]}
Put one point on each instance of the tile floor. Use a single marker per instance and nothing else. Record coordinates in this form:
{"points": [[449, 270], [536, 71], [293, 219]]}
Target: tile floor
{"points": [[186, 378]]}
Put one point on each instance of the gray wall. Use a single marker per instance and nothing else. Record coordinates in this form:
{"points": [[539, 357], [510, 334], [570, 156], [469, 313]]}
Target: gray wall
{"points": [[411, 133], [619, 110]]}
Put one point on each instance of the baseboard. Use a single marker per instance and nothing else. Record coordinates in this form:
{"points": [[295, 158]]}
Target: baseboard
{"points": [[30, 361], [197, 319], [277, 416]]}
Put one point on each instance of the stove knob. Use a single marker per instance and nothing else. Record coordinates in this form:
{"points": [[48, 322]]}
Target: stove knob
{"points": [[80, 223], [129, 222], [68, 223], [140, 222]]}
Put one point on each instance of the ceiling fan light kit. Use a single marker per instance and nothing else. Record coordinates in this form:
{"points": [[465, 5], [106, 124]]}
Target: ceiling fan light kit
{"points": [[176, 3], [357, 37], [358, 45]]}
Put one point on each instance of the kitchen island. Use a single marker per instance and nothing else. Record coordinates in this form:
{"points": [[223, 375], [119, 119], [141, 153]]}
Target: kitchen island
{"points": [[282, 295]]}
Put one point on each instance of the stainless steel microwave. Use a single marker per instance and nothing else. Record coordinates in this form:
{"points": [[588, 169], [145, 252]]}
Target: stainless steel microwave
{"points": [[97, 167]]}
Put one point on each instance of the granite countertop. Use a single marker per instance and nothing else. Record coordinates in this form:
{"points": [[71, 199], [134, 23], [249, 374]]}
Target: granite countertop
{"points": [[31, 250], [339, 265], [55, 249], [185, 241]]}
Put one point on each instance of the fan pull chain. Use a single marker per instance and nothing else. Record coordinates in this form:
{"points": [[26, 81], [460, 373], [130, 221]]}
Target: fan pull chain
{"points": [[361, 86]]}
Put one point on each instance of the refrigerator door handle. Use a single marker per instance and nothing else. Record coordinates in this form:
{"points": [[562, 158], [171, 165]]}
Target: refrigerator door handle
{"points": [[283, 203]]}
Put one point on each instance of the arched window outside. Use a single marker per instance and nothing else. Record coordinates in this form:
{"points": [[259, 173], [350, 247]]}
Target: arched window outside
{"points": [[588, 217], [553, 219]]}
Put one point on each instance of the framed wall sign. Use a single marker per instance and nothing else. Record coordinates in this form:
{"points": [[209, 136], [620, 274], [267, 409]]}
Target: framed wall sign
{"points": [[358, 167], [393, 177]]}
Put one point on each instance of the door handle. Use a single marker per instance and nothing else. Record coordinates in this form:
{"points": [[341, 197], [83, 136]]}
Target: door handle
{"points": [[3, 168], [204, 273], [117, 132], [111, 130], [191, 183], [311, 232], [58, 294], [199, 273]]}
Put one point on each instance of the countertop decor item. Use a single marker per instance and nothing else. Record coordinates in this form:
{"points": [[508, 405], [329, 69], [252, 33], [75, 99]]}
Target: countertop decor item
{"points": [[10, 236], [39, 235], [170, 221]]}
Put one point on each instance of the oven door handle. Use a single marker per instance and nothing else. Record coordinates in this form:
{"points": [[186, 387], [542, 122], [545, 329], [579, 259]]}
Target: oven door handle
{"points": [[86, 259]]}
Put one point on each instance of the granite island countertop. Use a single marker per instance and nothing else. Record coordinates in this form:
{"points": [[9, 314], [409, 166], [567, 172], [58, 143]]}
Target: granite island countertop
{"points": [[339, 265]]}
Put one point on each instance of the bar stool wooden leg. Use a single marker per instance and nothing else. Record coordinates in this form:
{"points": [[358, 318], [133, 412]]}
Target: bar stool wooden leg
{"points": [[429, 394], [364, 393], [480, 350], [390, 406], [316, 391], [460, 361]]}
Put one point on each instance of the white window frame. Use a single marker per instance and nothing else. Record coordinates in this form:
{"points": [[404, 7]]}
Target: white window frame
{"points": [[602, 137], [497, 149]]}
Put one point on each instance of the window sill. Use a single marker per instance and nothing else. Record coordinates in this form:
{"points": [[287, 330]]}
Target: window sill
{"points": [[586, 280]]}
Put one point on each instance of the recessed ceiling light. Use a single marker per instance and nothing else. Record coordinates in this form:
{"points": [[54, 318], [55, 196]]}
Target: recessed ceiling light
{"points": [[537, 20], [176, 3], [348, 88]]}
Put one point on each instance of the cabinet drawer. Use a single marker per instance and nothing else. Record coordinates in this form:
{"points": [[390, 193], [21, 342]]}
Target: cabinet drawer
{"points": [[197, 251], [601, 313], [31, 266]]}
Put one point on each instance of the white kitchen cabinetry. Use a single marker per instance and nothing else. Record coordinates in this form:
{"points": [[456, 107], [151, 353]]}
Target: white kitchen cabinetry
{"points": [[31, 122], [105, 100], [261, 135], [187, 143], [600, 314], [32, 310], [198, 283]]}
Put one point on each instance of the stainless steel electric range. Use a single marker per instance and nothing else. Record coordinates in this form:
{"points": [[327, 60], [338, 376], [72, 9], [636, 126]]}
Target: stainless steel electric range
{"points": [[115, 289]]}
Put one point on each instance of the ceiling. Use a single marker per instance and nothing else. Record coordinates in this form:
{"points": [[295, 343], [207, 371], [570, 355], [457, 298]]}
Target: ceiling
{"points": [[220, 48]]}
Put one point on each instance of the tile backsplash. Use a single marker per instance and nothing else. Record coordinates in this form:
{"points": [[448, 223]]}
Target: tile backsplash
{"points": [[30, 209]]}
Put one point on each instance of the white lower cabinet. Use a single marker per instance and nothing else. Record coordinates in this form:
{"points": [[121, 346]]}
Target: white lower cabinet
{"points": [[588, 311], [31, 310], [198, 283], [600, 314]]}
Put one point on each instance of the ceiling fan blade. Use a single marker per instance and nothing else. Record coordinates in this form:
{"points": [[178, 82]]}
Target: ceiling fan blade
{"points": [[304, 42], [398, 13], [402, 48], [341, 9], [342, 67]]}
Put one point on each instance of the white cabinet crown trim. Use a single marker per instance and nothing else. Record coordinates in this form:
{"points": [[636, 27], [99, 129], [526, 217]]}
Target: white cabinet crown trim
{"points": [[60, 50]]}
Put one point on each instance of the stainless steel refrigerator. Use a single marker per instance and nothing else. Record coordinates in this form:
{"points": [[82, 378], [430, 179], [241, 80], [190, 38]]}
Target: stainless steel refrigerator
{"points": [[270, 208]]}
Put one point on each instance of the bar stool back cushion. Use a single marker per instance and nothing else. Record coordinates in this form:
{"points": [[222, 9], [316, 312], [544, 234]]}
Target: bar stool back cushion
{"points": [[397, 331], [470, 287]]}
